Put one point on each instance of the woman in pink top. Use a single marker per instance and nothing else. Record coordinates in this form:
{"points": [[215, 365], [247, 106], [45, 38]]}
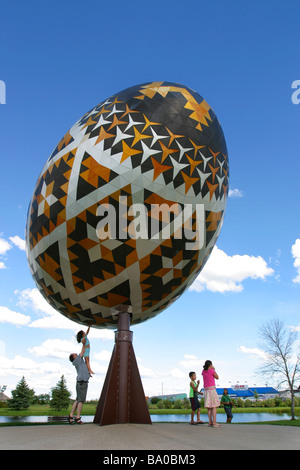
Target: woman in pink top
{"points": [[211, 399]]}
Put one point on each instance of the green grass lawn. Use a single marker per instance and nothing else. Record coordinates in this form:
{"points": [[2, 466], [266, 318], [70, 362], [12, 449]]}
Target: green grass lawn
{"points": [[45, 410], [281, 422]]}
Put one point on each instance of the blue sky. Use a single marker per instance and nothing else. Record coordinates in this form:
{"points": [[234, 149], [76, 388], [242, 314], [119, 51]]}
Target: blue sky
{"points": [[58, 60]]}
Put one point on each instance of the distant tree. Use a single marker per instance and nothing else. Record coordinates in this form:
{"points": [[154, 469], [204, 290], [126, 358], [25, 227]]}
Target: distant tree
{"points": [[281, 355], [22, 396], [42, 399], [278, 401], [270, 403], [168, 404], [240, 403], [154, 400], [187, 404], [60, 396], [178, 404], [234, 402]]}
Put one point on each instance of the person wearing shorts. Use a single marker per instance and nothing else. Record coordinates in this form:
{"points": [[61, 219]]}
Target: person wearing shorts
{"points": [[82, 382], [81, 391], [226, 401], [195, 405]]}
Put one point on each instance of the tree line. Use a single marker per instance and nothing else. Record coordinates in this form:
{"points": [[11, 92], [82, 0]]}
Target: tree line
{"points": [[166, 404], [60, 397], [23, 396]]}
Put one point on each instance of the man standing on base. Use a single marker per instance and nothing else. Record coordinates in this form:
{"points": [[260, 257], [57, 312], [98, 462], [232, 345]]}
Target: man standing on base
{"points": [[83, 376]]}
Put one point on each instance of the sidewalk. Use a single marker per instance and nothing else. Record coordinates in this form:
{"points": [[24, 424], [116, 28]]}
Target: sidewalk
{"points": [[158, 436]]}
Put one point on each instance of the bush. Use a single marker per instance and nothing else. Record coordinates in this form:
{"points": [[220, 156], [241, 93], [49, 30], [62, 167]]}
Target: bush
{"points": [[178, 404], [186, 404], [43, 399], [259, 403], [270, 403], [154, 400], [168, 404]]}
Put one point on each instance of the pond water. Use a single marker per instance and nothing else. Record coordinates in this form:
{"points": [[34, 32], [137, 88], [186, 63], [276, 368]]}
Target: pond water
{"points": [[221, 418]]}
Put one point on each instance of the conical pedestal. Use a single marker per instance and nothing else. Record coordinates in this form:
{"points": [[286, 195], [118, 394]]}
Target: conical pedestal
{"points": [[122, 399]]}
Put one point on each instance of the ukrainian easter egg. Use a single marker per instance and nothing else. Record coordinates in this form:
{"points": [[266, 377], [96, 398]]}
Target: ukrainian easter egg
{"points": [[129, 205]]}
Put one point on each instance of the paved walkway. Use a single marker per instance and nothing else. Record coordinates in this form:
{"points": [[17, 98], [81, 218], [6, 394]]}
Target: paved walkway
{"points": [[158, 436]]}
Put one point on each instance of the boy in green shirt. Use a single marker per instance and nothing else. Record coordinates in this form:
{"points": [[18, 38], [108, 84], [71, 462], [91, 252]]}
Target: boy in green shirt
{"points": [[194, 398], [226, 401]]}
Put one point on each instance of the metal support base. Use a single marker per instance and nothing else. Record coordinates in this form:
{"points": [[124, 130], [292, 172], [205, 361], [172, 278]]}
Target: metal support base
{"points": [[122, 399]]}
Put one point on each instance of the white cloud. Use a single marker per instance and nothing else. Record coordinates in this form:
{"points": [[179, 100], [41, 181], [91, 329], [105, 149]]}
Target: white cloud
{"points": [[18, 241], [41, 376], [190, 357], [235, 193], [224, 273], [295, 328], [98, 369], [252, 351], [146, 371], [54, 321], [33, 299], [177, 373], [103, 334], [191, 362], [4, 246], [103, 356], [21, 365], [296, 254], [51, 318], [10, 316], [2, 348], [54, 348]]}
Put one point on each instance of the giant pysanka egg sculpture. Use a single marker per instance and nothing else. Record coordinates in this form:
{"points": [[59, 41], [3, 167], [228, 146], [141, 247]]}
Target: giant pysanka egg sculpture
{"points": [[129, 205]]}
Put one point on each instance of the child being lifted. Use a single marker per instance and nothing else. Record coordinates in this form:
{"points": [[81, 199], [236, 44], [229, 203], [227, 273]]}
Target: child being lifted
{"points": [[82, 338]]}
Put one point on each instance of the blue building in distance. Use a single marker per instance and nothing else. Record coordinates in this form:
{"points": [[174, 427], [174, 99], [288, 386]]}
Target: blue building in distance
{"points": [[242, 391], [262, 393]]}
